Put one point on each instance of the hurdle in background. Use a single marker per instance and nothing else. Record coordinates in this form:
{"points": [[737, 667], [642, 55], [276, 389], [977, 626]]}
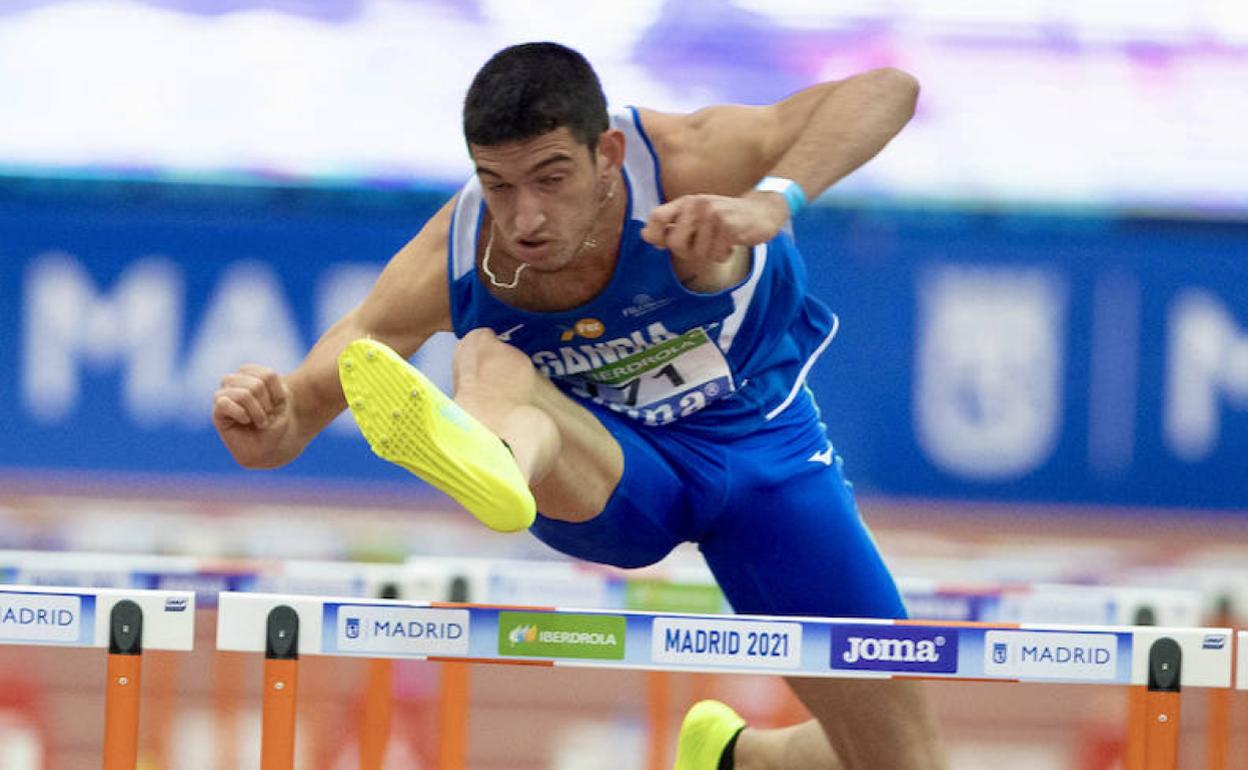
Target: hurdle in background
{"points": [[1160, 660], [125, 622]]}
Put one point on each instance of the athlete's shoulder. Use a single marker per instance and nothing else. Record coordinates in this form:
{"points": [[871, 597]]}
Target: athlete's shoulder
{"points": [[717, 150]]}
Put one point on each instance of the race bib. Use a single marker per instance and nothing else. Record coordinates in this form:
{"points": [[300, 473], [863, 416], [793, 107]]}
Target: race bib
{"points": [[662, 383]]}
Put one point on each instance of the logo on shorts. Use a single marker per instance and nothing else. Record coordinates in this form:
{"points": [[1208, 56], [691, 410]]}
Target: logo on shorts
{"points": [[894, 648], [824, 456]]}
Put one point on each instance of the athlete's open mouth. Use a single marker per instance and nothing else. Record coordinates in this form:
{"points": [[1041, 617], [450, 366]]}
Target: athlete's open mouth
{"points": [[527, 248]]}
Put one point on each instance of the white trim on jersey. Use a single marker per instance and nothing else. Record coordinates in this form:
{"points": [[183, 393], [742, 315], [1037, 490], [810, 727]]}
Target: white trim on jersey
{"points": [[741, 297], [467, 222], [639, 163], [801, 375]]}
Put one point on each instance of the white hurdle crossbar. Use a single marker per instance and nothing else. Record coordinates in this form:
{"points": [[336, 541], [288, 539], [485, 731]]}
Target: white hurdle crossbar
{"points": [[283, 627]]}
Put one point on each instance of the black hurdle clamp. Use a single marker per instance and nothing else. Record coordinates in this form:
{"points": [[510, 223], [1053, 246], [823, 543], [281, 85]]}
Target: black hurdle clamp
{"points": [[458, 591], [281, 639], [388, 591], [1145, 615], [125, 629], [1165, 664]]}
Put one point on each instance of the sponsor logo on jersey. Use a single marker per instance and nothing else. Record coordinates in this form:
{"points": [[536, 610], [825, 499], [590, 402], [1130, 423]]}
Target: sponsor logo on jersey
{"points": [[505, 335], [589, 328], [644, 303], [573, 359]]}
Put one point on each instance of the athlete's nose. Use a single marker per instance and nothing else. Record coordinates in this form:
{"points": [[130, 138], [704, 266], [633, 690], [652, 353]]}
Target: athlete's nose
{"points": [[529, 214]]}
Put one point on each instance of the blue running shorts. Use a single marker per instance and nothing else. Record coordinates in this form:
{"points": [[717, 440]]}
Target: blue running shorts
{"points": [[771, 512]]}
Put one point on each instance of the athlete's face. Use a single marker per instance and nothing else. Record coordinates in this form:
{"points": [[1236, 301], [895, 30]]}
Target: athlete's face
{"points": [[544, 194]]}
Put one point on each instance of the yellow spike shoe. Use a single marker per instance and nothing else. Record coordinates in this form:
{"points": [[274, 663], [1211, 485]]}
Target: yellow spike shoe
{"points": [[705, 732], [409, 422]]}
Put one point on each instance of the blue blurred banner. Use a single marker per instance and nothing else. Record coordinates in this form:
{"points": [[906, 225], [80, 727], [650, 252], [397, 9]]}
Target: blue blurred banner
{"points": [[995, 357]]}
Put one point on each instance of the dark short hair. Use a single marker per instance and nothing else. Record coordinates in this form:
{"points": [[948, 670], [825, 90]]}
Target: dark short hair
{"points": [[528, 90]]}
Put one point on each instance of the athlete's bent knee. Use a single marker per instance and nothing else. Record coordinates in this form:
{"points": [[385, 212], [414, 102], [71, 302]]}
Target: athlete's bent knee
{"points": [[481, 355]]}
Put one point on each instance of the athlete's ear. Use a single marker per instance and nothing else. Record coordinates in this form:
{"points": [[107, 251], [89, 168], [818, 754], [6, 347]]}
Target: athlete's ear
{"points": [[610, 154]]}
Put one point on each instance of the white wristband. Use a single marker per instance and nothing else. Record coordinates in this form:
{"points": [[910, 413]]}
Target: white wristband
{"points": [[792, 192]]}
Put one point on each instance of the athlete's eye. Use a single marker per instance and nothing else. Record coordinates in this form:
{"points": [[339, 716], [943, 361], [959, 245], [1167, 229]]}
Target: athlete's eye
{"points": [[500, 187], [551, 181]]}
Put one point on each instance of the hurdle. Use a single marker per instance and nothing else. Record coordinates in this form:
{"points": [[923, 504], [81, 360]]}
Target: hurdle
{"points": [[691, 589], [126, 622], [665, 588], [1159, 660]]}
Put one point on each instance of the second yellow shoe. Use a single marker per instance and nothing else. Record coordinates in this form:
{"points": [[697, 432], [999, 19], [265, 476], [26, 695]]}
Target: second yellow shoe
{"points": [[706, 730], [409, 422]]}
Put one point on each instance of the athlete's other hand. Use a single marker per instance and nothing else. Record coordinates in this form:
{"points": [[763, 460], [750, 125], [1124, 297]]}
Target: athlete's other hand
{"points": [[252, 412], [705, 228]]}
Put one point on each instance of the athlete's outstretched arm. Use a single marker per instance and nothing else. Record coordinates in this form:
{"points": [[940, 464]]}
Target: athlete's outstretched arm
{"points": [[266, 419], [713, 157]]}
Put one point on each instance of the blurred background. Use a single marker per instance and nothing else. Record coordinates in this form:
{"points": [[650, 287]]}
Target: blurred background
{"points": [[1042, 285]]}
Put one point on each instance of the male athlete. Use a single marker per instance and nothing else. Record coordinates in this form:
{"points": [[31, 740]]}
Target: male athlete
{"points": [[635, 337]]}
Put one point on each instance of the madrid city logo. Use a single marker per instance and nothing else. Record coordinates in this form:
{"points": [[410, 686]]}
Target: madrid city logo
{"points": [[352, 629], [1051, 655], [1000, 653], [894, 648]]}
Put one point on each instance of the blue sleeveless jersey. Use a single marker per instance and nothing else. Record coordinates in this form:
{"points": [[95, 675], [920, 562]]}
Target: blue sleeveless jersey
{"points": [[721, 364]]}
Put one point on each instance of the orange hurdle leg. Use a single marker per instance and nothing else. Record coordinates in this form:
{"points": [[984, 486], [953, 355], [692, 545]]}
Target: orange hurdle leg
{"points": [[121, 713], [277, 723], [658, 703], [453, 717], [1161, 705], [375, 719], [1162, 713], [121, 700], [277, 729]]}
